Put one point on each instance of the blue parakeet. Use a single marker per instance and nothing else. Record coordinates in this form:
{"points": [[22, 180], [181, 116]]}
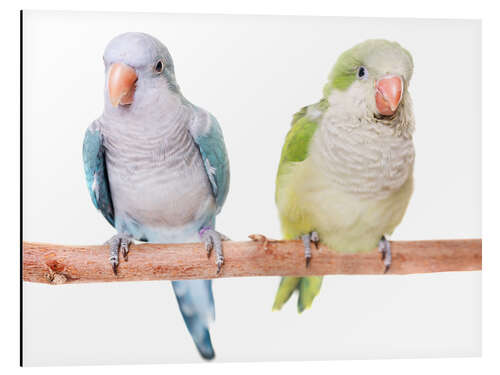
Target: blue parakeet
{"points": [[156, 167]]}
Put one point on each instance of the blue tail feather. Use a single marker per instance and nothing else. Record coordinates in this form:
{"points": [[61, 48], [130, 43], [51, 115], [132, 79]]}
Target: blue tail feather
{"points": [[196, 303]]}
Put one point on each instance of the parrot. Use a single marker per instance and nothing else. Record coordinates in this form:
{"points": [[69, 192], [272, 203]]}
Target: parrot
{"points": [[157, 168], [345, 176]]}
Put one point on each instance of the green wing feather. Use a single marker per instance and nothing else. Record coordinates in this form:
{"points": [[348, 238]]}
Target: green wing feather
{"points": [[296, 148], [297, 141]]}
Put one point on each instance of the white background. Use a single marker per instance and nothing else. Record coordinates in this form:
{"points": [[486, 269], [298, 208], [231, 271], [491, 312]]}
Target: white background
{"points": [[10, 144], [252, 73]]}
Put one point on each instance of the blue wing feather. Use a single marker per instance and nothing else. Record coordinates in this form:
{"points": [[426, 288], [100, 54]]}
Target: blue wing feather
{"points": [[96, 176], [213, 152]]}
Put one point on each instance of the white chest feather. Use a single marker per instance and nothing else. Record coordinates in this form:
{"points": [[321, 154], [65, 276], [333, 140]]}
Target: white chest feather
{"points": [[360, 156], [156, 178]]}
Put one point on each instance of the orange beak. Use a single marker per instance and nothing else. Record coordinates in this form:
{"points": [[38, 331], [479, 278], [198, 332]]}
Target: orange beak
{"points": [[121, 84], [389, 94]]}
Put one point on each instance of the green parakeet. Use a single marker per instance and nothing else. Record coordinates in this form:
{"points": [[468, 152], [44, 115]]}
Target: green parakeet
{"points": [[345, 174]]}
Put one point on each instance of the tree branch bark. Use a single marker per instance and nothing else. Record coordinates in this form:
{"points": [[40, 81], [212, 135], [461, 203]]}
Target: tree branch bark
{"points": [[59, 264]]}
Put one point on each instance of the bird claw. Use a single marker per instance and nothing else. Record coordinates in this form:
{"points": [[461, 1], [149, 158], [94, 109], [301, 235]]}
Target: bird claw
{"points": [[113, 259], [119, 243], [306, 240], [219, 263], [384, 247], [124, 247], [213, 241], [209, 245], [315, 239]]}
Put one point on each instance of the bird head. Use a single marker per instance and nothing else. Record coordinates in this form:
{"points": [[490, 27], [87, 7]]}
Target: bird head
{"points": [[137, 63], [371, 80]]}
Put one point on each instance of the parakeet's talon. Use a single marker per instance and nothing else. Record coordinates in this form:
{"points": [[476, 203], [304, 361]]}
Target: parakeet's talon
{"points": [[306, 240], [384, 247], [315, 239], [219, 265], [219, 262], [124, 247], [213, 240], [209, 246], [118, 243]]}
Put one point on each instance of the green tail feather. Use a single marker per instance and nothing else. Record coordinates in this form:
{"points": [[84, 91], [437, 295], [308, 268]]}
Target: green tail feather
{"points": [[308, 288], [285, 290]]}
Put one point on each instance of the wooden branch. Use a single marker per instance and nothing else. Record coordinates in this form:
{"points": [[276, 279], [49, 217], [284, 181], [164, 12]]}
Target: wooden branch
{"points": [[58, 264]]}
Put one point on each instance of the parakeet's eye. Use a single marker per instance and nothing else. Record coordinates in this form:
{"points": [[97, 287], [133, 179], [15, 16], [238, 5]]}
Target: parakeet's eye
{"points": [[362, 72], [159, 67]]}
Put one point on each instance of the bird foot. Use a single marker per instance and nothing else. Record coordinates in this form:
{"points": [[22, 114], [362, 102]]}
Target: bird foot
{"points": [[384, 247], [118, 243], [315, 239], [306, 240], [213, 241]]}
